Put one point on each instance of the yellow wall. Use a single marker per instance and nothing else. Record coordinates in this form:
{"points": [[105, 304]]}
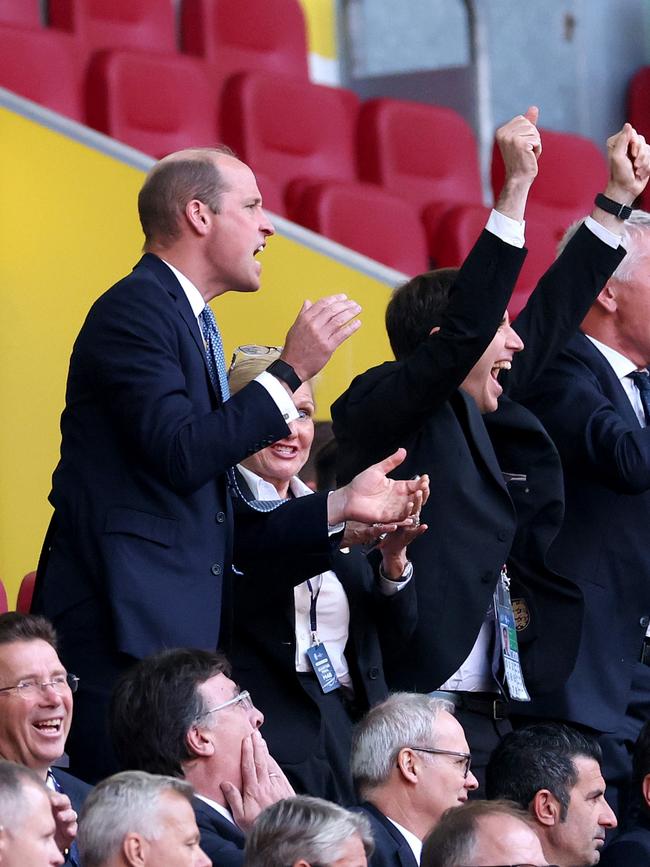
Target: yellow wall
{"points": [[69, 229], [321, 26]]}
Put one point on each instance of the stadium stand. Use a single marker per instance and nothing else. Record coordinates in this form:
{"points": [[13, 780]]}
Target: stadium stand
{"points": [[154, 103]]}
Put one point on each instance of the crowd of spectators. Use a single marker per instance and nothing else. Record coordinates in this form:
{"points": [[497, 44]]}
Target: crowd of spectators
{"points": [[442, 660]]}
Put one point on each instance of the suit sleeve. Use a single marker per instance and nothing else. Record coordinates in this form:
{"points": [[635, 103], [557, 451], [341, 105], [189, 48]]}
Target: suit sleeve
{"points": [[588, 430], [402, 400], [131, 354], [558, 305]]}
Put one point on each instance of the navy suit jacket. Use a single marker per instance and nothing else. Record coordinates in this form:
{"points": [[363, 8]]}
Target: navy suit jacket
{"points": [[221, 841], [77, 791], [630, 849], [141, 537], [602, 545], [391, 848], [480, 519]]}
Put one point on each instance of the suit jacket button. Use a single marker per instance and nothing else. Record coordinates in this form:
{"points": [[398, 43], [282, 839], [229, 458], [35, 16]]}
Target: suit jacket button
{"points": [[644, 621], [215, 569], [373, 672], [220, 517]]}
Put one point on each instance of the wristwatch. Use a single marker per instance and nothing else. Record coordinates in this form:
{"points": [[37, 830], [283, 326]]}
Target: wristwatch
{"points": [[286, 373], [612, 207]]}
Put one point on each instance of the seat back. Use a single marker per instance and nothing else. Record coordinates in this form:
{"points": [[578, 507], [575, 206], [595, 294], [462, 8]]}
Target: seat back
{"points": [[638, 112], [25, 593], [21, 13]]}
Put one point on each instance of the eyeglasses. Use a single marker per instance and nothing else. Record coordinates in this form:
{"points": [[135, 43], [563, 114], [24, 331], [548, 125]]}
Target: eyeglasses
{"points": [[242, 698], [252, 350], [31, 688], [466, 756]]}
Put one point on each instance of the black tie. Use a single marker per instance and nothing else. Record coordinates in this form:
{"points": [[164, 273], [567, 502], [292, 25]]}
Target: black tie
{"points": [[641, 379]]}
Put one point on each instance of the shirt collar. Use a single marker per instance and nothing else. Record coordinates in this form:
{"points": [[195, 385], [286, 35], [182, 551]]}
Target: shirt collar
{"points": [[223, 811], [196, 300], [414, 842], [621, 365], [263, 490]]}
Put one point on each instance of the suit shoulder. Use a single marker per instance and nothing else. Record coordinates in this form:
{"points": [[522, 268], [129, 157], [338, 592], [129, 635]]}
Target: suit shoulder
{"points": [[77, 790]]}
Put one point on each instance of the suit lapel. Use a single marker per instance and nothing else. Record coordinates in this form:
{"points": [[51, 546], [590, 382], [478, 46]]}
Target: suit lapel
{"points": [[475, 430], [611, 386], [403, 851]]}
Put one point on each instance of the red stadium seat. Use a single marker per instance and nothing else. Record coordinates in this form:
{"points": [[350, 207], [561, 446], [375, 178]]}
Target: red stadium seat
{"points": [[41, 65], [367, 219], [571, 171], [154, 103], [25, 593], [424, 153], [23, 13], [241, 35], [4, 604], [145, 25], [638, 112], [290, 130], [462, 226], [271, 192]]}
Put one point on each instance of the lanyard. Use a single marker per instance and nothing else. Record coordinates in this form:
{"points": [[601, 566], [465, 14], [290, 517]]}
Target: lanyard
{"points": [[313, 625]]}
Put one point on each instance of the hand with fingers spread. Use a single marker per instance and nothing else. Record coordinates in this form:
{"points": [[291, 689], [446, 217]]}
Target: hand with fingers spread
{"points": [[371, 497], [263, 783], [66, 820], [318, 330], [520, 145]]}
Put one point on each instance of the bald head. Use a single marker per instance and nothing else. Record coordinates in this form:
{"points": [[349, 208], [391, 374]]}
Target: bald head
{"points": [[174, 181]]}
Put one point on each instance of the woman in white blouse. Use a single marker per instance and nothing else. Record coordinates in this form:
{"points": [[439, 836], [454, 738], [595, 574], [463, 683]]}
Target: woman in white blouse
{"points": [[309, 633]]}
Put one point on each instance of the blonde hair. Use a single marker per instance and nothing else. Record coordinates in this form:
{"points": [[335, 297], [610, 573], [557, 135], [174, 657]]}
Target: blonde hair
{"points": [[246, 367]]}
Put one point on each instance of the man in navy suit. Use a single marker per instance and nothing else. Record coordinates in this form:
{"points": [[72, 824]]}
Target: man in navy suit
{"points": [[410, 762], [179, 713], [139, 550], [35, 715], [591, 401]]}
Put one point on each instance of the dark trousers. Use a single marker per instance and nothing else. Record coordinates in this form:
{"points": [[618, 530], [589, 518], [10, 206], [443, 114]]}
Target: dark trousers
{"points": [[483, 734]]}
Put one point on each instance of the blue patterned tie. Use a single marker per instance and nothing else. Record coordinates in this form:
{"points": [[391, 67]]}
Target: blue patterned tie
{"points": [[219, 379], [641, 379]]}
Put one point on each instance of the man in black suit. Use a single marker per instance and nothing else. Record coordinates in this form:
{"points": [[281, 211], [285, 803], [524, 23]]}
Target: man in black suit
{"points": [[178, 713], [553, 772], [591, 405], [632, 847], [139, 549], [498, 482], [35, 715], [410, 762]]}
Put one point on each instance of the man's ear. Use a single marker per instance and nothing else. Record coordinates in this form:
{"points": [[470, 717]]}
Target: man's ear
{"points": [[606, 298], [407, 764], [134, 849], [198, 743], [198, 216], [545, 808], [645, 789]]}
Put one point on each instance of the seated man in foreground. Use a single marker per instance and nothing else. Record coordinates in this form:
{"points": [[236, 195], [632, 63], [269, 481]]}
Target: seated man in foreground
{"points": [[27, 826], [178, 713], [554, 772], [135, 819], [410, 763]]}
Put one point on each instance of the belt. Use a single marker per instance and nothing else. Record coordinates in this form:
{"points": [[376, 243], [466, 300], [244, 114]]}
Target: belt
{"points": [[488, 704]]}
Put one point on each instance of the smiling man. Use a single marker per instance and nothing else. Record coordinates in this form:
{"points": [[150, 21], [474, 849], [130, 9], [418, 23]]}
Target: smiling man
{"points": [[450, 401], [553, 772], [35, 715], [139, 551], [410, 762]]}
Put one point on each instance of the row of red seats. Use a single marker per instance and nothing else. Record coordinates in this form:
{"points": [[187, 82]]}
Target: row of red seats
{"points": [[25, 593]]}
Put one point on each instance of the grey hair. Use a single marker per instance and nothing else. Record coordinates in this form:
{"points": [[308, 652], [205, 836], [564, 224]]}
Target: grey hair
{"points": [[404, 719], [304, 828], [125, 803], [13, 780], [636, 240]]}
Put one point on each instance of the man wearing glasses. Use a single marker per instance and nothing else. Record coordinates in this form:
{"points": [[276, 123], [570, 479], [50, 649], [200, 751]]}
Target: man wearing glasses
{"points": [[178, 713], [35, 715], [410, 762]]}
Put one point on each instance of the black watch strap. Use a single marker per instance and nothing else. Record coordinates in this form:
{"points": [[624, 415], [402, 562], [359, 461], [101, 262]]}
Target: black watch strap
{"points": [[612, 207], [286, 373]]}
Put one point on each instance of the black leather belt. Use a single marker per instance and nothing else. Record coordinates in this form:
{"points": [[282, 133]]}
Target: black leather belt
{"points": [[489, 704]]}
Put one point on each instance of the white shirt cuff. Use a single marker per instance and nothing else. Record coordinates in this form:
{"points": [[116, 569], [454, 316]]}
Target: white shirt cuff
{"points": [[509, 230], [279, 395], [390, 588], [607, 237]]}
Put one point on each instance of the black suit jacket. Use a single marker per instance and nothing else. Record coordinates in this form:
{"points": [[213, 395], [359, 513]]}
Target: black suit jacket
{"points": [[602, 545], [77, 791], [391, 848], [141, 536], [477, 520], [264, 640], [630, 849], [221, 841]]}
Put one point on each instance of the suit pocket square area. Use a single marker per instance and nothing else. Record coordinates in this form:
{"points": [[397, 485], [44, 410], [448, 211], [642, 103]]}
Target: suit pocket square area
{"points": [[154, 528]]}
